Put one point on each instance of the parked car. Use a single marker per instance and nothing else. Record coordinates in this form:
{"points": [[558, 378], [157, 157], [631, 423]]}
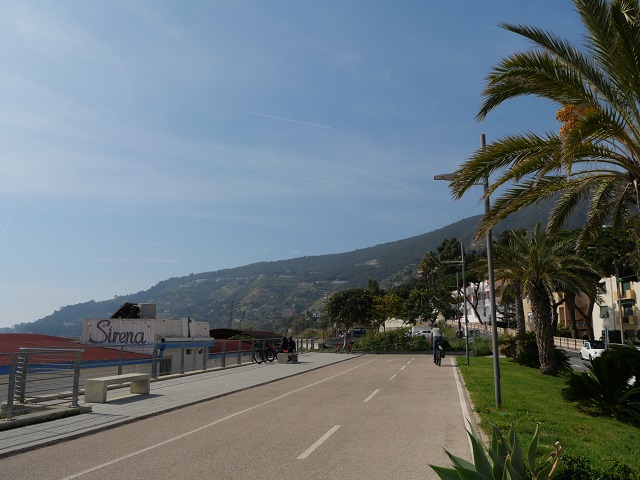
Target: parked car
{"points": [[591, 350], [426, 333], [355, 333]]}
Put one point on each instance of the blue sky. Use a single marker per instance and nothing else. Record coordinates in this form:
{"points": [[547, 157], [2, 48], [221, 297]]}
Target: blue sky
{"points": [[143, 140]]}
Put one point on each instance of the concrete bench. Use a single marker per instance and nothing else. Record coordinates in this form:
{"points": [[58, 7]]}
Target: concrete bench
{"points": [[95, 390], [291, 357]]}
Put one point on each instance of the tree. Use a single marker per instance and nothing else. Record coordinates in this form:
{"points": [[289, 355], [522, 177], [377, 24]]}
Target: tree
{"points": [[422, 304], [386, 306], [545, 263], [595, 154], [507, 268], [349, 307], [428, 267]]}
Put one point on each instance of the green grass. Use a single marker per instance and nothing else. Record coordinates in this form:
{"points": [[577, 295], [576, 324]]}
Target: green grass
{"points": [[529, 398]]}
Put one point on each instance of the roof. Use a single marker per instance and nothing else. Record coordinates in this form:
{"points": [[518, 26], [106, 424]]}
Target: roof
{"points": [[223, 333], [12, 342]]}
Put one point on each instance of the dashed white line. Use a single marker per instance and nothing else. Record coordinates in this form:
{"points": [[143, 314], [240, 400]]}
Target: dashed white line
{"points": [[392, 377], [403, 367], [208, 425], [319, 442], [372, 395]]}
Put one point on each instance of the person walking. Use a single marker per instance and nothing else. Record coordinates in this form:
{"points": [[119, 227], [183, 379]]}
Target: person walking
{"points": [[436, 341]]}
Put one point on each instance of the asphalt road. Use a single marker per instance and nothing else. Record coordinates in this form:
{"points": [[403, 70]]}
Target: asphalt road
{"points": [[577, 363], [374, 417]]}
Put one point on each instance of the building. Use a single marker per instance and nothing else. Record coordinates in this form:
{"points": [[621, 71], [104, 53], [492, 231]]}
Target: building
{"points": [[618, 308], [135, 328]]}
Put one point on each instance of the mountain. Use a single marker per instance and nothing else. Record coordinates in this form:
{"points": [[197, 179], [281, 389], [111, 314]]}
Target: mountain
{"points": [[268, 295]]}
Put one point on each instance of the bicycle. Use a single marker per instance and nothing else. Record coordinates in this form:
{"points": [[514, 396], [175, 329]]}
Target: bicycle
{"points": [[349, 346], [264, 353]]}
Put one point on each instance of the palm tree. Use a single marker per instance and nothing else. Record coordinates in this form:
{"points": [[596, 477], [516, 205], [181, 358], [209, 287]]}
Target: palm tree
{"points": [[544, 263], [595, 154], [507, 267]]}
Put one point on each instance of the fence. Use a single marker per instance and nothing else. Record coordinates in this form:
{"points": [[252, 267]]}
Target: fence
{"points": [[568, 343], [53, 376]]}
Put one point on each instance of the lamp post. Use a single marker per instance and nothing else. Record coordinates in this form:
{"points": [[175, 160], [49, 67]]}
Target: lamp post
{"points": [[464, 286], [492, 292], [494, 329]]}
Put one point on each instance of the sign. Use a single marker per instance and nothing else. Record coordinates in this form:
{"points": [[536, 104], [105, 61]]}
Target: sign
{"points": [[118, 331]]}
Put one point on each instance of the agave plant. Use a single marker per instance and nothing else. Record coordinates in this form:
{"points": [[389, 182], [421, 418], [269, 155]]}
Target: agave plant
{"points": [[501, 460]]}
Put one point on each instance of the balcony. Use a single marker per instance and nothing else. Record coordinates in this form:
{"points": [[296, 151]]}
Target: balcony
{"points": [[626, 295]]}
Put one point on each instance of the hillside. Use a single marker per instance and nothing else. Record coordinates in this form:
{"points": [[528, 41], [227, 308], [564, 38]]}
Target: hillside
{"points": [[269, 294]]}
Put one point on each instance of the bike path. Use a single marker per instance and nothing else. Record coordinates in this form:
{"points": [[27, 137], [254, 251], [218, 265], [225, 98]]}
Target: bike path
{"points": [[166, 395]]}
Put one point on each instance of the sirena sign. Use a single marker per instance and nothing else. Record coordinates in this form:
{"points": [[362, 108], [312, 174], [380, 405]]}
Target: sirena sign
{"points": [[118, 331]]}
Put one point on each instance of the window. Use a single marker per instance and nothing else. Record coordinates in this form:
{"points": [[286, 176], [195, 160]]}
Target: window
{"points": [[602, 286], [604, 311]]}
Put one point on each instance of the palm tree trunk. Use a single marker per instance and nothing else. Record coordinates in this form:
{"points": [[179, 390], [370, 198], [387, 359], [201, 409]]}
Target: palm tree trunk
{"points": [[554, 307], [541, 306], [521, 326], [571, 307]]}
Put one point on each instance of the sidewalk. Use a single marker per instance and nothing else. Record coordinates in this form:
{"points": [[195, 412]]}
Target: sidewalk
{"points": [[166, 395]]}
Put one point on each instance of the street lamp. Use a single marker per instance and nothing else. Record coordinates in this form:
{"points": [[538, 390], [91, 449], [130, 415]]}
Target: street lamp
{"points": [[492, 288], [464, 286]]}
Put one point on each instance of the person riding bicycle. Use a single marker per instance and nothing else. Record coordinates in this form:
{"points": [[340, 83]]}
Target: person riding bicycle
{"points": [[436, 341]]}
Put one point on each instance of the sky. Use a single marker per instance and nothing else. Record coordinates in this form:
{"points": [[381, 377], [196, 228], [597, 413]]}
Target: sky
{"points": [[144, 140]]}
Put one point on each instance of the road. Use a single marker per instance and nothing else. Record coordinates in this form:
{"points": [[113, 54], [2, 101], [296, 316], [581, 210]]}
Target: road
{"points": [[577, 363], [374, 417]]}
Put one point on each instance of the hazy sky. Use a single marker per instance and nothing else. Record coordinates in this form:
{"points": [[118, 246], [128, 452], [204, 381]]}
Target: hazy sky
{"points": [[143, 140]]}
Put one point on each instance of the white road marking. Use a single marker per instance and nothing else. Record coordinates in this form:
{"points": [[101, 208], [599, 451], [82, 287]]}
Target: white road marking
{"points": [[319, 442], [403, 367], [208, 425], [372, 395], [392, 377], [463, 404]]}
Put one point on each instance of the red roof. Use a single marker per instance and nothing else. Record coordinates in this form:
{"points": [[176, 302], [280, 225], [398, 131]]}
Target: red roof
{"points": [[12, 342]]}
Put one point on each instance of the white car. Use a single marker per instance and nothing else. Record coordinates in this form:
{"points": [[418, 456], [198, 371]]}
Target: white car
{"points": [[426, 333], [591, 350]]}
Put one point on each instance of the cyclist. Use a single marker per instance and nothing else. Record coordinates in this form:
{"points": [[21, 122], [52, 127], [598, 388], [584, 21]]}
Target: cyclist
{"points": [[436, 340]]}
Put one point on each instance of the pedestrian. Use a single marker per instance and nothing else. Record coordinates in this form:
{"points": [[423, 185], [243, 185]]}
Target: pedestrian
{"points": [[284, 346], [292, 344]]}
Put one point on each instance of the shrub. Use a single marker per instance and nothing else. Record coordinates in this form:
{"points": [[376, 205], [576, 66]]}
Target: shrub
{"points": [[527, 353], [606, 388], [563, 331], [580, 467], [390, 340]]}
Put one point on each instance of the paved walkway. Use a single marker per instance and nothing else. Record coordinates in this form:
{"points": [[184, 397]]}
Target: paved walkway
{"points": [[166, 395]]}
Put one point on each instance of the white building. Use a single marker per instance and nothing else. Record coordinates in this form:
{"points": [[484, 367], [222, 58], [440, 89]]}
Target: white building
{"points": [[134, 328], [618, 308]]}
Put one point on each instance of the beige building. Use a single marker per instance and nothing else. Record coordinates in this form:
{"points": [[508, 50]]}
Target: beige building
{"points": [[610, 308]]}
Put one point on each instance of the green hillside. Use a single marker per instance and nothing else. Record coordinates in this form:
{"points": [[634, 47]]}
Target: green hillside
{"points": [[270, 294]]}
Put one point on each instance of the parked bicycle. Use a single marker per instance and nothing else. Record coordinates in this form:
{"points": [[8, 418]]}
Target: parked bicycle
{"points": [[264, 352]]}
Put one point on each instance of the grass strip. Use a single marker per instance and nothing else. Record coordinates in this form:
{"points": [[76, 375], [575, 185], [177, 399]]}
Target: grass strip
{"points": [[529, 398]]}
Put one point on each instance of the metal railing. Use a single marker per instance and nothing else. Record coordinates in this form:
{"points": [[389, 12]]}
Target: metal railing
{"points": [[570, 343], [41, 374], [55, 376]]}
